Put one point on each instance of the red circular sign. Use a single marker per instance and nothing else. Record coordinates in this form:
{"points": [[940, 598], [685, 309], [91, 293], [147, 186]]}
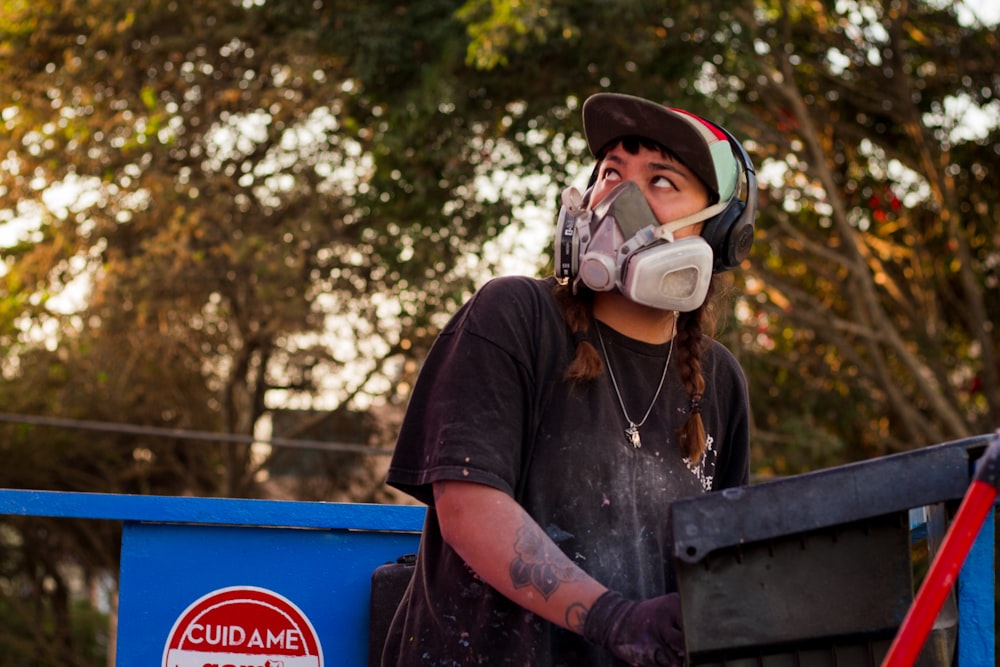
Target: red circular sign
{"points": [[242, 626]]}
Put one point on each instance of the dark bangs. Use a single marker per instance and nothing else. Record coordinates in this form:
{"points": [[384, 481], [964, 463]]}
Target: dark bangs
{"points": [[631, 145]]}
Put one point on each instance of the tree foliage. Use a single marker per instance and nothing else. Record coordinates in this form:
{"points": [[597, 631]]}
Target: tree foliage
{"points": [[274, 204], [866, 323], [875, 285]]}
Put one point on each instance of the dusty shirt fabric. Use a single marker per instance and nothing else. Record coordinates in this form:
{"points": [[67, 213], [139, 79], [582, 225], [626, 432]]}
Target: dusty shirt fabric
{"points": [[490, 407]]}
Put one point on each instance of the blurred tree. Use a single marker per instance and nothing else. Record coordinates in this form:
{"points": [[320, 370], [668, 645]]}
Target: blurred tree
{"points": [[866, 325], [875, 282], [194, 170], [273, 204], [217, 206], [226, 179]]}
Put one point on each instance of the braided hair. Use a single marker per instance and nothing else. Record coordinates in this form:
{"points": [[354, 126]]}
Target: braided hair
{"points": [[690, 341]]}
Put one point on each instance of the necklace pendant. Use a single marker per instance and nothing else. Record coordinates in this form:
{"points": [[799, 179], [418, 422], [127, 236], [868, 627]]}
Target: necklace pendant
{"points": [[632, 433]]}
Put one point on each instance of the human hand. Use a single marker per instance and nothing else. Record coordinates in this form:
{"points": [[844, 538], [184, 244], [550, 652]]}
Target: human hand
{"points": [[642, 633]]}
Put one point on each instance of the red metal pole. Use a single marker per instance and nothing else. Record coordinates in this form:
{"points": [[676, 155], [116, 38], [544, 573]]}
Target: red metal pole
{"points": [[944, 569]]}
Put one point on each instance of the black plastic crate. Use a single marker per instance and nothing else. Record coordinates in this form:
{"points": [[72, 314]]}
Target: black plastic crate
{"points": [[814, 570], [389, 583]]}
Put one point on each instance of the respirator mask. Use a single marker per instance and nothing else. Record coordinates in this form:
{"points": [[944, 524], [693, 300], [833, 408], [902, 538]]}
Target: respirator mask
{"points": [[620, 245]]}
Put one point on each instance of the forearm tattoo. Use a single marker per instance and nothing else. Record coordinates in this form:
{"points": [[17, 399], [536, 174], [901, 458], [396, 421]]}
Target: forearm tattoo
{"points": [[535, 566], [576, 616]]}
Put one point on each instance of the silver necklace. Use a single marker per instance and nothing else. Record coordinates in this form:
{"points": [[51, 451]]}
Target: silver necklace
{"points": [[632, 432]]}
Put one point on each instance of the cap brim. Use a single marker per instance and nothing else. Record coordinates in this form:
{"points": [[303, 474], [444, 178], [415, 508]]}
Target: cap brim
{"points": [[610, 116]]}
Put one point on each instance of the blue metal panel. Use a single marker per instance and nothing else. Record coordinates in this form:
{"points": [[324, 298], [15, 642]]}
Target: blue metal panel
{"points": [[227, 511], [976, 600], [325, 573], [320, 556]]}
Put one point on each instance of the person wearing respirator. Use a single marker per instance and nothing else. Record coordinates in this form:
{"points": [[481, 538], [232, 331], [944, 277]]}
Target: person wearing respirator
{"points": [[555, 420]]}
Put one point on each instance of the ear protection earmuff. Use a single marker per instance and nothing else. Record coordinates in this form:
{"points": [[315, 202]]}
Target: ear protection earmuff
{"points": [[730, 233]]}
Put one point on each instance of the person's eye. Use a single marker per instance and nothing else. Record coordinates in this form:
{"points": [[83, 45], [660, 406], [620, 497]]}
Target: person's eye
{"points": [[611, 174], [663, 182]]}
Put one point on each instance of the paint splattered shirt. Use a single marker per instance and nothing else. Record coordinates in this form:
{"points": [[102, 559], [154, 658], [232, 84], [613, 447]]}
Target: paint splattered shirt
{"points": [[490, 407]]}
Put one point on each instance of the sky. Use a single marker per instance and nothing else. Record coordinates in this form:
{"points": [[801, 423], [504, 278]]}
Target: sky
{"points": [[988, 11]]}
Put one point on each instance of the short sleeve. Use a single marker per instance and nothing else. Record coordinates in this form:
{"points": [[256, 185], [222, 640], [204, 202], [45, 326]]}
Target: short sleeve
{"points": [[472, 407]]}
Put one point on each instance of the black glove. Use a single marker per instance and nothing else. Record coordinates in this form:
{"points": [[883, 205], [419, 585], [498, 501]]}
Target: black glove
{"points": [[646, 633]]}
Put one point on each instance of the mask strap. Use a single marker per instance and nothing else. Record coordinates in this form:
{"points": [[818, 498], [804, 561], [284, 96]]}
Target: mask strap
{"points": [[666, 232]]}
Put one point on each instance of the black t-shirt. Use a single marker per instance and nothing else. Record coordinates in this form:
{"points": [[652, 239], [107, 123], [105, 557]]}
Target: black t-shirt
{"points": [[491, 407]]}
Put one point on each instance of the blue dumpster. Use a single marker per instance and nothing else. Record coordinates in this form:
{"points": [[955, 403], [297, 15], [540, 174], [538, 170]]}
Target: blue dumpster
{"points": [[240, 582]]}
